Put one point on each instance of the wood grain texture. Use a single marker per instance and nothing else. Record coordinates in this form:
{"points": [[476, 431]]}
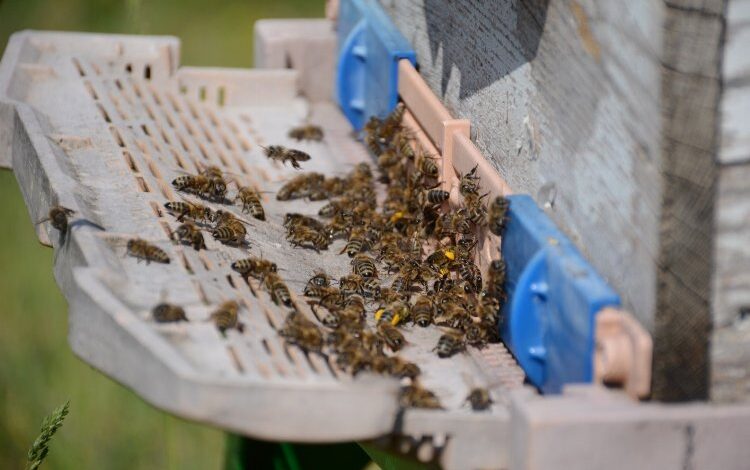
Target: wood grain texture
{"points": [[690, 79], [606, 113], [730, 367]]}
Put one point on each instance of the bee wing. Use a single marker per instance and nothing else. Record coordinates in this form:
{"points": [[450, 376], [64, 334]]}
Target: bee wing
{"points": [[299, 155], [46, 219]]}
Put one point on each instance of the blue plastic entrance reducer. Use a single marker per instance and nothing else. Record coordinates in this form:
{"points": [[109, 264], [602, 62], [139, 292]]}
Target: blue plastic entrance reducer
{"points": [[370, 48]]}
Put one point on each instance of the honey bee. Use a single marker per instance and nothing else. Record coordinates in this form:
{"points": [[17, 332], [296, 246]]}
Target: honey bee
{"points": [[428, 166], [168, 313], [476, 212], [282, 154], [356, 244], [294, 220], [451, 314], [371, 287], [449, 344], [190, 233], [182, 209], [305, 237], [496, 279], [209, 187], [388, 158], [364, 266], [319, 279], [300, 186], [231, 232], [302, 332], [392, 337], [403, 369], [435, 197], [254, 267], [58, 218], [393, 313], [144, 250], [331, 319], [469, 183], [355, 302], [307, 132], [392, 124], [479, 399], [351, 284], [354, 359], [470, 273], [278, 289], [423, 311], [250, 200], [497, 215], [476, 335], [414, 396], [225, 317]]}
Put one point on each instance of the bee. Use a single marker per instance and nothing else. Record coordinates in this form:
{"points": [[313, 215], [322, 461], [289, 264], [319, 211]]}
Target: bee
{"points": [[231, 233], [441, 258], [211, 171], [391, 125], [401, 144], [351, 284], [307, 132], [300, 331], [443, 284], [190, 233], [496, 279], [476, 212], [307, 238], [225, 317], [414, 396], [479, 399], [388, 158], [319, 279], [392, 337], [355, 303], [371, 287], [403, 369], [182, 209], [422, 311], [477, 335], [449, 344], [278, 289], [58, 217], [282, 154], [331, 319], [436, 197], [354, 359], [497, 215], [255, 267], [251, 202], [393, 313], [451, 314], [428, 166], [142, 249], [364, 266], [293, 219], [209, 187], [355, 244], [300, 186], [469, 183], [168, 313], [470, 273]]}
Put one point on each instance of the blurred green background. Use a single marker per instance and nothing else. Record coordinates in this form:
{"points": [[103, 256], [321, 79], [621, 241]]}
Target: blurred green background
{"points": [[108, 427]]}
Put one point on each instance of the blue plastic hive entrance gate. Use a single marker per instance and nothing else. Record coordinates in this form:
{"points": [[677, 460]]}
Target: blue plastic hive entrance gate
{"points": [[554, 294], [370, 48]]}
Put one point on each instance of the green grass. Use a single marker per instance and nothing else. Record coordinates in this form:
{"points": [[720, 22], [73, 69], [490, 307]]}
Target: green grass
{"points": [[109, 427]]}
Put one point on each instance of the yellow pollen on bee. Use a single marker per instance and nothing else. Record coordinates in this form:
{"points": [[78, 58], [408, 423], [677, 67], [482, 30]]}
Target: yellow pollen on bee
{"points": [[450, 254], [379, 313], [397, 216], [396, 318]]}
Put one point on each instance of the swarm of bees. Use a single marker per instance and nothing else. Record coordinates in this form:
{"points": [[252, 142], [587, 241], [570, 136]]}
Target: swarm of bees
{"points": [[425, 246]]}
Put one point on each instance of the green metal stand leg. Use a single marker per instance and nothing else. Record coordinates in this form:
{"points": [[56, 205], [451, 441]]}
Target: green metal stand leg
{"points": [[245, 454]]}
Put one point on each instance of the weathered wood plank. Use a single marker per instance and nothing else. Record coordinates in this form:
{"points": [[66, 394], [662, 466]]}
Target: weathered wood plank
{"points": [[730, 352]]}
